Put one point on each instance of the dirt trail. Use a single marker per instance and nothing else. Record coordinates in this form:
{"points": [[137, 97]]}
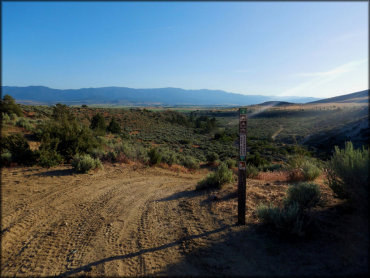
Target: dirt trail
{"points": [[113, 222], [273, 136], [131, 221]]}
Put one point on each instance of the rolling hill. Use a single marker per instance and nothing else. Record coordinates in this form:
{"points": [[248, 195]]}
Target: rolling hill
{"points": [[143, 97], [358, 97]]}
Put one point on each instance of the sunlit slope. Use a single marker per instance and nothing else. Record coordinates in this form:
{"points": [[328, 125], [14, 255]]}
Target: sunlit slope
{"points": [[358, 97]]}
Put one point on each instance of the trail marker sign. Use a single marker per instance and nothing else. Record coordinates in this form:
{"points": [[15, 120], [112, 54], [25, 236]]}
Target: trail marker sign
{"points": [[242, 175]]}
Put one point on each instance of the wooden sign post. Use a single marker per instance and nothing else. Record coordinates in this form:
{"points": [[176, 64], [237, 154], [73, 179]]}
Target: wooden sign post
{"points": [[242, 175]]}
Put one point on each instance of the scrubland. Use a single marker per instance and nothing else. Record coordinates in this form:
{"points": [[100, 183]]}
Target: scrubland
{"points": [[135, 191]]}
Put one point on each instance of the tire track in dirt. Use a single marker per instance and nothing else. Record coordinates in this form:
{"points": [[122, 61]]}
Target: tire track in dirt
{"points": [[81, 225]]}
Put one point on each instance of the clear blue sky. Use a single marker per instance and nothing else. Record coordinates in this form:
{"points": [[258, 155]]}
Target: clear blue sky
{"points": [[284, 48]]}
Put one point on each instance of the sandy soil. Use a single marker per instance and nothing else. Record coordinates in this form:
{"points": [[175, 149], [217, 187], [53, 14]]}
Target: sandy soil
{"points": [[128, 220]]}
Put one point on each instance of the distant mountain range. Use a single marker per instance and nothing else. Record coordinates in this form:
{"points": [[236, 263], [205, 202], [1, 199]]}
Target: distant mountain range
{"points": [[358, 97], [144, 97]]}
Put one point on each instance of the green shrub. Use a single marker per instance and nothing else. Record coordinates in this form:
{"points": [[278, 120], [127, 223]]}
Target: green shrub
{"points": [[348, 173], [293, 217], [72, 136], [189, 162], [98, 153], [306, 195], [251, 171], [6, 158], [212, 157], [303, 168], [111, 156], [169, 157], [19, 148], [310, 171], [271, 167], [48, 154], [133, 151], [49, 158], [231, 163], [5, 118], [98, 124], [84, 163], [9, 106], [286, 220], [154, 156], [25, 123], [13, 117], [216, 179], [114, 126], [256, 160]]}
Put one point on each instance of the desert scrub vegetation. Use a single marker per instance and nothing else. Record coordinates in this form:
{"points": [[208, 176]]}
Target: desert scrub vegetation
{"points": [[98, 124], [72, 136], [25, 123], [294, 216], [216, 179], [9, 106], [84, 163], [212, 157], [303, 168], [347, 173], [155, 156], [231, 163], [189, 162], [19, 149], [251, 171]]}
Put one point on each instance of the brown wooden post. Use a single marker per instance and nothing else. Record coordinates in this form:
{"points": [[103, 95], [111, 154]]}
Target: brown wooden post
{"points": [[242, 175]]}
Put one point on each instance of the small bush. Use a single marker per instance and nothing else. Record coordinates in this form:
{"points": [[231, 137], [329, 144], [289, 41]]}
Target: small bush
{"points": [[49, 158], [25, 123], [303, 168], [231, 163], [84, 163], [19, 148], [154, 156], [212, 157], [256, 160], [169, 157], [286, 220], [293, 217], [189, 162], [114, 126], [306, 195], [271, 167], [8, 106], [5, 118], [98, 153], [348, 173], [6, 158], [251, 171], [98, 124], [310, 171], [216, 179]]}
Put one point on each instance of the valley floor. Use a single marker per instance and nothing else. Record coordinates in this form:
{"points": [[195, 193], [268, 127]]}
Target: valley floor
{"points": [[128, 220]]}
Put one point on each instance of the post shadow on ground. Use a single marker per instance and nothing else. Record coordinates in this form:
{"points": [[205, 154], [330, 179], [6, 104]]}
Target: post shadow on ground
{"points": [[88, 267], [256, 250], [183, 194]]}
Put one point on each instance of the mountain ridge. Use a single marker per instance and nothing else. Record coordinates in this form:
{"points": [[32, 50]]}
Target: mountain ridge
{"points": [[130, 96]]}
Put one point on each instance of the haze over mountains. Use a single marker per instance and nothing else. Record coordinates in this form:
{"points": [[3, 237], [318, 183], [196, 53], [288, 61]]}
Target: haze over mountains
{"points": [[145, 97]]}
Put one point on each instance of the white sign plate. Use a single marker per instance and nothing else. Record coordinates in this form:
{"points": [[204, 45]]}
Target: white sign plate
{"points": [[243, 145]]}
